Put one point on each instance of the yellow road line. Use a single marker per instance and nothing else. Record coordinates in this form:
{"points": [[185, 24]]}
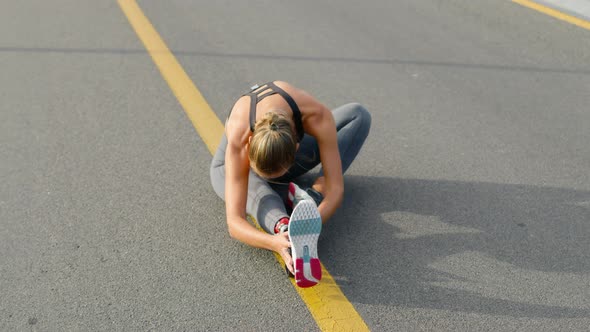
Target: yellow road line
{"points": [[555, 13], [196, 107], [329, 307]]}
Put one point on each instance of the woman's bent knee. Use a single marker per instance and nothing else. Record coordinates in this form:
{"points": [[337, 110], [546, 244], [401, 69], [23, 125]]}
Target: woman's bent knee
{"points": [[362, 116]]}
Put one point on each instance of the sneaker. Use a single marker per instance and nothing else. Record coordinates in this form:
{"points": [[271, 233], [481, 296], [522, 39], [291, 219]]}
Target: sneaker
{"points": [[304, 230], [297, 195]]}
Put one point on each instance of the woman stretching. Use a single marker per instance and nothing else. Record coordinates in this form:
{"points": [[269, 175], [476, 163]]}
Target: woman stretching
{"points": [[274, 134]]}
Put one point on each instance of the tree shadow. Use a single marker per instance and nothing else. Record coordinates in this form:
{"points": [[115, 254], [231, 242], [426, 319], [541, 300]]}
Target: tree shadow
{"points": [[461, 246]]}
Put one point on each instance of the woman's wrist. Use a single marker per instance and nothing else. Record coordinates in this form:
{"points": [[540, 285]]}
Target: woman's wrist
{"points": [[274, 243]]}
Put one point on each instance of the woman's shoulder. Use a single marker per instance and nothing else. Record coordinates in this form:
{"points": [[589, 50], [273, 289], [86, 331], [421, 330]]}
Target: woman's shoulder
{"points": [[237, 125], [309, 106], [292, 90]]}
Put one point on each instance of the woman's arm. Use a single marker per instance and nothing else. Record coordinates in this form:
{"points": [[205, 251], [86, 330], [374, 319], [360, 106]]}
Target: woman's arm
{"points": [[236, 194], [318, 122], [324, 130], [236, 181]]}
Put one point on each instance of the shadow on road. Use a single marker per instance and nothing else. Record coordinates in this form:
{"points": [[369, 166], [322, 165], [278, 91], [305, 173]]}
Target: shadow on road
{"points": [[497, 249]]}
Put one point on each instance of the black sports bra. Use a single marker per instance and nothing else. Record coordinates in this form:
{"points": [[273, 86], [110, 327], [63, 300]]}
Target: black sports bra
{"points": [[270, 89]]}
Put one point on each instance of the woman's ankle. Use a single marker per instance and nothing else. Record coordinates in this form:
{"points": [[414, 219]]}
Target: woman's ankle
{"points": [[282, 225]]}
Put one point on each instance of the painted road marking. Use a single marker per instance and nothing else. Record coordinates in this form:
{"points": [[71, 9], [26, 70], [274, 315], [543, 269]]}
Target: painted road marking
{"points": [[554, 13], [203, 118], [328, 305]]}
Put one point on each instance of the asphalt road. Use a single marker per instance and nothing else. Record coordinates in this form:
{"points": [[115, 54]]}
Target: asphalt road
{"points": [[468, 208]]}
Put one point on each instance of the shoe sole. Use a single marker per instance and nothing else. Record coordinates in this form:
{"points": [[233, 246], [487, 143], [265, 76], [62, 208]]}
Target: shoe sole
{"points": [[305, 226]]}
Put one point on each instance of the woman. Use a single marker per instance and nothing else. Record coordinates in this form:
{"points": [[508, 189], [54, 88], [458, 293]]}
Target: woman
{"points": [[273, 135]]}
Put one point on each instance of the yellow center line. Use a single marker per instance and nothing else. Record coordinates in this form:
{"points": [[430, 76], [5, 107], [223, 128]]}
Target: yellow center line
{"points": [[328, 305], [555, 13], [203, 118]]}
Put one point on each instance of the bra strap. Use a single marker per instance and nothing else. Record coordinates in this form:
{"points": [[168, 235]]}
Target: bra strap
{"points": [[294, 108]]}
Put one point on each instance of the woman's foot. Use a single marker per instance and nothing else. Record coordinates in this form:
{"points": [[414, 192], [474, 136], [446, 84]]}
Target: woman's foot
{"points": [[305, 226]]}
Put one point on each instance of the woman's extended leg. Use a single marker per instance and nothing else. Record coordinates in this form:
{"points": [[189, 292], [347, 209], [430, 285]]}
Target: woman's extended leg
{"points": [[263, 202]]}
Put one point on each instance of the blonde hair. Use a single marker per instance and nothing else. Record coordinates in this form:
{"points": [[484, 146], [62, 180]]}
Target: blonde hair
{"points": [[273, 144]]}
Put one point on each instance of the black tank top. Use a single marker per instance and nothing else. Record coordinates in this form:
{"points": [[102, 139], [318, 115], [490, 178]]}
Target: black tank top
{"points": [[269, 89]]}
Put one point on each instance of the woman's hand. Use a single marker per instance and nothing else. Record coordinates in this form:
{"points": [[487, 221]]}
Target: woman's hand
{"points": [[282, 246]]}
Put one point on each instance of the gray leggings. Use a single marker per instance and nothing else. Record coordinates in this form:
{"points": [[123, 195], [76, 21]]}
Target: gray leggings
{"points": [[266, 197]]}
